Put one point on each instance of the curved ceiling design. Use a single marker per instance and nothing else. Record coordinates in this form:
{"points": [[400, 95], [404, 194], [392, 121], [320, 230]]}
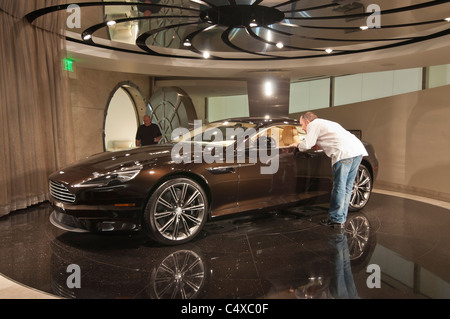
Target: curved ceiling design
{"points": [[251, 30]]}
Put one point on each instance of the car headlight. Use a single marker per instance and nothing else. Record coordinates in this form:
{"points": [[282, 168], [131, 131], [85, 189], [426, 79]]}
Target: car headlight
{"points": [[116, 177]]}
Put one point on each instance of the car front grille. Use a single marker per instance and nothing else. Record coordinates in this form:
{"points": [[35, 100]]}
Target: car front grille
{"points": [[60, 192]]}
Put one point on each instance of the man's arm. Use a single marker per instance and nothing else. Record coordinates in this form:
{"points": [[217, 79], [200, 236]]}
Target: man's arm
{"points": [[310, 141], [158, 134]]}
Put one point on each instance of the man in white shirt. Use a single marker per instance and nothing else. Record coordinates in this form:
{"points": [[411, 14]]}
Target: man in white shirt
{"points": [[346, 152]]}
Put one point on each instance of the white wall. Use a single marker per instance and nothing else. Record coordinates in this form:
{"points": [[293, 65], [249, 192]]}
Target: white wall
{"points": [[369, 86], [222, 107], [309, 95], [439, 75]]}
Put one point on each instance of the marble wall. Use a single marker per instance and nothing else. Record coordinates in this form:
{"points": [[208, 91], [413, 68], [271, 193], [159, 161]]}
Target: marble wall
{"points": [[90, 94]]}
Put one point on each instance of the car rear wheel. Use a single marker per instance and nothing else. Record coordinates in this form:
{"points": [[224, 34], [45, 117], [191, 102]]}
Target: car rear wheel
{"points": [[176, 212], [362, 188]]}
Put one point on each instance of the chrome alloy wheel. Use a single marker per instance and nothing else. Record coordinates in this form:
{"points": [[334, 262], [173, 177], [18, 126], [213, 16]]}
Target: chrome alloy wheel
{"points": [[358, 231], [362, 189], [181, 275], [177, 211]]}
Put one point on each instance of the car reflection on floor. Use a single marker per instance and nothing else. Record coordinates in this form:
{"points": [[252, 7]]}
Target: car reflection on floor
{"points": [[268, 255], [236, 258]]}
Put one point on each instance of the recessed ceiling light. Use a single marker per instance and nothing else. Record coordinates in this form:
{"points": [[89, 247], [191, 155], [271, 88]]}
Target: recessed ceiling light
{"points": [[447, 19], [187, 43], [280, 45], [111, 23], [328, 50], [206, 54], [364, 27], [87, 37], [268, 88]]}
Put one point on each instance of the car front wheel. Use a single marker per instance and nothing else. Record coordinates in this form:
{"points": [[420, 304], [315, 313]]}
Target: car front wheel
{"points": [[176, 212], [362, 189]]}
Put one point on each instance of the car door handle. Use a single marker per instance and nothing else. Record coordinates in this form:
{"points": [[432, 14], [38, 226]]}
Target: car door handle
{"points": [[221, 169]]}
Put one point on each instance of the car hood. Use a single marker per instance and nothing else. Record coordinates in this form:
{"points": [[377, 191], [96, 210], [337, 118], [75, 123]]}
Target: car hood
{"points": [[110, 161]]}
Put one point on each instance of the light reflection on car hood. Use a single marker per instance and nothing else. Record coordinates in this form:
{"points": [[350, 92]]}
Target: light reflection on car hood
{"points": [[109, 161]]}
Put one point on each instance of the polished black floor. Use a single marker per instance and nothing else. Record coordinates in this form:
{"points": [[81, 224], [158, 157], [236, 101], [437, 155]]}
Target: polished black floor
{"points": [[394, 248]]}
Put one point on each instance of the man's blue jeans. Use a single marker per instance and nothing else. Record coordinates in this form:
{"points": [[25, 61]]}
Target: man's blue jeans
{"points": [[344, 173], [342, 284]]}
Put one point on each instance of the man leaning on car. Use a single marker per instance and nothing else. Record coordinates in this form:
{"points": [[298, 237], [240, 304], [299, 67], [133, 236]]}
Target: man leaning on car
{"points": [[346, 152]]}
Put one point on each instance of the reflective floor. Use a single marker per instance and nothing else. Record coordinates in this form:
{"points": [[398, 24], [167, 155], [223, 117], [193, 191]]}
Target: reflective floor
{"points": [[394, 248]]}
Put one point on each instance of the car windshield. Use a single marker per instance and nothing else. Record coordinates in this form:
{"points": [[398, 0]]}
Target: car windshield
{"points": [[216, 133]]}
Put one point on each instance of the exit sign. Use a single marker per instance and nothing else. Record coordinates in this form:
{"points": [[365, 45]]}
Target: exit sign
{"points": [[68, 64]]}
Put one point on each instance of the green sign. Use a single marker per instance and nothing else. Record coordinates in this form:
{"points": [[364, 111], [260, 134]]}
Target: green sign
{"points": [[68, 64]]}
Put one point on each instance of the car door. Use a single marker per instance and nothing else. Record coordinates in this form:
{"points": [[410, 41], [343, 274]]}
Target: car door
{"points": [[223, 182], [303, 176], [266, 181], [313, 176]]}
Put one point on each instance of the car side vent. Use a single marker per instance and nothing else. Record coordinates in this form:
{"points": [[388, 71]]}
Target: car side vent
{"points": [[60, 192]]}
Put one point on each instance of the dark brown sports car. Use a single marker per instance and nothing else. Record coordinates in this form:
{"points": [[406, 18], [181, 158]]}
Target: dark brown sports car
{"points": [[169, 191]]}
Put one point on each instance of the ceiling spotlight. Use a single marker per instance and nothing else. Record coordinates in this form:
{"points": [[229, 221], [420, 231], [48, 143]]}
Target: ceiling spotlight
{"points": [[207, 18], [280, 45], [206, 54], [253, 23], [87, 37], [364, 27], [447, 19], [268, 88], [328, 50], [111, 23]]}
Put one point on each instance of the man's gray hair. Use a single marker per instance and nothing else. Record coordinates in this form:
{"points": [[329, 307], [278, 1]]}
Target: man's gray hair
{"points": [[310, 116]]}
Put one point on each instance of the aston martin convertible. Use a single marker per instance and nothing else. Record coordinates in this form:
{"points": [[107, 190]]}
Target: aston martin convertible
{"points": [[169, 191]]}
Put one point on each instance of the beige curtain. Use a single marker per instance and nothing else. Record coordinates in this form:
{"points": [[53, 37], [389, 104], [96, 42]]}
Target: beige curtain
{"points": [[36, 129]]}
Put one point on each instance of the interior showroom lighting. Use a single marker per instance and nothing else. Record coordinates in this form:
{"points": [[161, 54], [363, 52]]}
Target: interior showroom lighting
{"points": [[268, 88]]}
